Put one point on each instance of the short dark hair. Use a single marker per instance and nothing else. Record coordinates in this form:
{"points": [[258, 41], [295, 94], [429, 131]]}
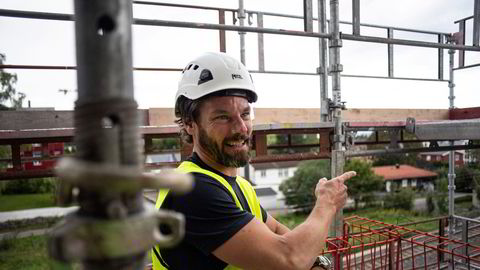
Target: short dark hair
{"points": [[186, 111]]}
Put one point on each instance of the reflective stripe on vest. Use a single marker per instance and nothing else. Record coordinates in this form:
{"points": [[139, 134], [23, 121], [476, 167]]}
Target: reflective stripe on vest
{"points": [[245, 187]]}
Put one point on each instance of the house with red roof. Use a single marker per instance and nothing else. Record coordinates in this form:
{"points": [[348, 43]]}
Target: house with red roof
{"points": [[403, 176]]}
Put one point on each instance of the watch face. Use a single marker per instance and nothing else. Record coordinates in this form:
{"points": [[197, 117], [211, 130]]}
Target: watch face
{"points": [[323, 262]]}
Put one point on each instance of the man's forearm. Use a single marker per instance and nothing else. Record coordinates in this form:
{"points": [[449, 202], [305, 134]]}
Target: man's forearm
{"points": [[308, 239]]}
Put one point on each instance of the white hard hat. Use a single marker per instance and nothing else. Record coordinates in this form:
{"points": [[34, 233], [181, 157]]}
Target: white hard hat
{"points": [[214, 72]]}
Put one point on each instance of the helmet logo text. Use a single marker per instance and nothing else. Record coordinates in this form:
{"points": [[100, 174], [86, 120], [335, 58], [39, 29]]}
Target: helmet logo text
{"points": [[236, 76]]}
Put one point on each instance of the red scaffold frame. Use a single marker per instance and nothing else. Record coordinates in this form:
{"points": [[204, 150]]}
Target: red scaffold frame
{"points": [[369, 244]]}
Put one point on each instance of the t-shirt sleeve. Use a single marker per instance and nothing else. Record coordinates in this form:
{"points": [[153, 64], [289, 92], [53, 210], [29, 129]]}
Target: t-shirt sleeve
{"points": [[264, 214], [211, 215]]}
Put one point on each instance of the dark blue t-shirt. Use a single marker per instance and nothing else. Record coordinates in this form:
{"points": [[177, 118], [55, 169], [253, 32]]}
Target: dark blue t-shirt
{"points": [[211, 216]]}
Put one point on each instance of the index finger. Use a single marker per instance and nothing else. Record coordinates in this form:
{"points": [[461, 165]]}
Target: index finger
{"points": [[344, 177]]}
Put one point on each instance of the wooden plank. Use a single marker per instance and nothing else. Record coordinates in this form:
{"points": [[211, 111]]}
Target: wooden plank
{"points": [[394, 114], [261, 144], [18, 120], [161, 116], [465, 113], [45, 119]]}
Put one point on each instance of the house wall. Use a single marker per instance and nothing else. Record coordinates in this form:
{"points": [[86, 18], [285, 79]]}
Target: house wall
{"points": [[273, 176], [459, 159], [425, 183]]}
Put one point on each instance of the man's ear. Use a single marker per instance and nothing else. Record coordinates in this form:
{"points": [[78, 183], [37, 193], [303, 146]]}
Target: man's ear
{"points": [[190, 127]]}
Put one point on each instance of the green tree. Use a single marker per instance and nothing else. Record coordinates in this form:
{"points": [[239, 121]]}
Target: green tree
{"points": [[474, 154], [299, 190], [303, 142], [8, 93], [393, 158], [362, 186], [464, 180], [402, 199], [160, 144]]}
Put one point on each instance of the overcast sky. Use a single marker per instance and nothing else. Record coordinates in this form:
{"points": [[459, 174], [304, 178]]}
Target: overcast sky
{"points": [[41, 42]]}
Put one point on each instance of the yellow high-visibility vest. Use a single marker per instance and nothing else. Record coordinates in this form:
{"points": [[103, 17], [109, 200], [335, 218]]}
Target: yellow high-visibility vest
{"points": [[245, 187]]}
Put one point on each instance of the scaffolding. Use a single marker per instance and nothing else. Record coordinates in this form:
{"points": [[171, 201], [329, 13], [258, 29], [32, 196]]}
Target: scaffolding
{"points": [[335, 134]]}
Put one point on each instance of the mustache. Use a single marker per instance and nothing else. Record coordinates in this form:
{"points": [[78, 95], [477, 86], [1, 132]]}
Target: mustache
{"points": [[237, 137]]}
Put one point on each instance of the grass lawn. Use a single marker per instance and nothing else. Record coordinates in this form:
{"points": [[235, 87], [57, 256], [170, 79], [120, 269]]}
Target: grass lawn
{"points": [[391, 216], [27, 253], [25, 201], [31, 253]]}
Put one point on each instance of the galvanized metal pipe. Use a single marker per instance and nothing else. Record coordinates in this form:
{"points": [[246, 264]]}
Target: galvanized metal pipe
{"points": [[440, 57], [68, 17], [476, 23], [466, 218], [468, 66], [106, 111], [241, 18], [338, 154], [307, 16], [335, 68], [390, 54], [378, 152], [323, 61], [261, 53], [353, 76], [350, 23], [408, 42], [461, 41], [356, 17], [451, 157]]}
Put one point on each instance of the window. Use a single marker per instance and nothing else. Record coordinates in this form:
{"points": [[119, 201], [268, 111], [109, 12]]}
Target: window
{"points": [[457, 157], [405, 183], [414, 182], [439, 158], [263, 173], [427, 157], [282, 172]]}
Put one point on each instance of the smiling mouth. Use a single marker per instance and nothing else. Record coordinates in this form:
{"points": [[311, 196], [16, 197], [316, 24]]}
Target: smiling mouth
{"points": [[237, 143]]}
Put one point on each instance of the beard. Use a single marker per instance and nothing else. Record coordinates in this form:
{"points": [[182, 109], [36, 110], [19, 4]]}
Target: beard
{"points": [[236, 160]]}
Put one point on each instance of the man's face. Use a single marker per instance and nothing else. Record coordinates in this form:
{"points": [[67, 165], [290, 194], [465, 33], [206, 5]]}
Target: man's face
{"points": [[223, 130]]}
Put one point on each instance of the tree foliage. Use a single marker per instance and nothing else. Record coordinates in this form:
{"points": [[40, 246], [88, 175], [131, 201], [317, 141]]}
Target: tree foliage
{"points": [[8, 93], [403, 199], [295, 139], [362, 186], [465, 178], [299, 190]]}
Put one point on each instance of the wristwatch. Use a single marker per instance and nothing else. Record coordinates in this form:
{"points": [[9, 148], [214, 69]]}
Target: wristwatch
{"points": [[323, 262]]}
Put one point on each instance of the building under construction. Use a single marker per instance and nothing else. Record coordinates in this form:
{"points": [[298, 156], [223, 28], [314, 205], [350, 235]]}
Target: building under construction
{"points": [[108, 112]]}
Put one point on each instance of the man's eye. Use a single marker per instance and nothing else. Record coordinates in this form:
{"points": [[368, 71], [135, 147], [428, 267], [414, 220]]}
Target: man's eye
{"points": [[222, 117], [246, 115]]}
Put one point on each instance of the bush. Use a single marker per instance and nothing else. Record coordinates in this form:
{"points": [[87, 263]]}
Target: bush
{"points": [[402, 199], [29, 186], [463, 199], [299, 190]]}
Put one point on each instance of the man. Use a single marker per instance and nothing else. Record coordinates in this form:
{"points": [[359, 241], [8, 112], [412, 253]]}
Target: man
{"points": [[226, 228]]}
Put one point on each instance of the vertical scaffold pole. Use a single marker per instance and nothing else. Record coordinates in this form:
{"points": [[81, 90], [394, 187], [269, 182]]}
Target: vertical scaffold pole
{"points": [[111, 229], [451, 158], [338, 153], [241, 18], [106, 110], [323, 61]]}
